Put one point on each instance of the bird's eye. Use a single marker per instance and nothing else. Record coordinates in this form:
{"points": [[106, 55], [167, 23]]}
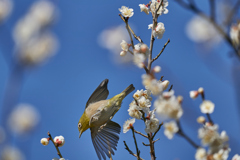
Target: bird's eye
{"points": [[79, 125]]}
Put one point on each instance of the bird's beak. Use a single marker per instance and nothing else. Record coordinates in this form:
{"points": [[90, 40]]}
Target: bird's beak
{"points": [[80, 133]]}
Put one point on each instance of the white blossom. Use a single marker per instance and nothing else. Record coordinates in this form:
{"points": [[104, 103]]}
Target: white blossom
{"points": [[139, 59], [200, 30], [128, 124], [156, 87], [59, 140], [134, 111], [11, 153], [151, 123], [126, 12], [38, 50], [201, 154], [168, 106], [144, 8], [142, 93], [43, 12], [170, 129], [155, 4], [5, 8], [23, 118], [44, 141], [208, 134], [224, 137], [207, 107], [158, 31], [124, 45], [222, 154], [236, 157]]}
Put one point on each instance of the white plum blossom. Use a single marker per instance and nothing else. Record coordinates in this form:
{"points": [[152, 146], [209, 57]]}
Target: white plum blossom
{"points": [[222, 154], [11, 153], [162, 10], [42, 12], [145, 93], [124, 45], [58, 159], [208, 134], [236, 157], [207, 107], [193, 94], [23, 118], [158, 30], [126, 12], [201, 31], [128, 124], [201, 154], [170, 129], [5, 8], [139, 59], [59, 140], [168, 106], [44, 141], [156, 87], [38, 49], [144, 8], [134, 111], [151, 123]]}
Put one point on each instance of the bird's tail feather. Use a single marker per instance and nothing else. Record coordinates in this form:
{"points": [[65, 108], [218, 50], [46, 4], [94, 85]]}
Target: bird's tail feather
{"points": [[128, 90]]}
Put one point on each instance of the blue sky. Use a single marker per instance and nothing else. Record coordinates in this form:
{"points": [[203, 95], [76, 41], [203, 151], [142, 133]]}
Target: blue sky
{"points": [[60, 88]]}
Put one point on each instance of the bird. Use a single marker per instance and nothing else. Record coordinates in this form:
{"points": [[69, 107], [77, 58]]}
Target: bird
{"points": [[97, 116]]}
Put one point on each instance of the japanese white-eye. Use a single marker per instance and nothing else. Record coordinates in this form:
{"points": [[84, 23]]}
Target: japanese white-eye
{"points": [[97, 116]]}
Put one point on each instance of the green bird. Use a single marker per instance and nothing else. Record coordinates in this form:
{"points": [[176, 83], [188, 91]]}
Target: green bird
{"points": [[97, 116]]}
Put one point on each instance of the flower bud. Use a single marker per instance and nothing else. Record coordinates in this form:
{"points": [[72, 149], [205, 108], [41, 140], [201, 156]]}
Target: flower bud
{"points": [[59, 140], [165, 84], [143, 48], [200, 90], [201, 120], [44, 141], [180, 99], [193, 94], [123, 53], [157, 69]]}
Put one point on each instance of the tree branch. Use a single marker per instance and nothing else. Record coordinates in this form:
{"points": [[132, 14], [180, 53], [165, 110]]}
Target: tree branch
{"points": [[159, 54], [130, 152], [58, 151]]}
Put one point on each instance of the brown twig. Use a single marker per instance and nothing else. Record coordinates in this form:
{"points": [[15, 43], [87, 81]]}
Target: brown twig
{"points": [[141, 134], [159, 54], [135, 142], [181, 133], [232, 12], [159, 127], [170, 88], [58, 151], [152, 142], [130, 152], [212, 9], [209, 118], [136, 37]]}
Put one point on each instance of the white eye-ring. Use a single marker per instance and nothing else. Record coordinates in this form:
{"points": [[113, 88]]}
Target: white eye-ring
{"points": [[79, 125]]}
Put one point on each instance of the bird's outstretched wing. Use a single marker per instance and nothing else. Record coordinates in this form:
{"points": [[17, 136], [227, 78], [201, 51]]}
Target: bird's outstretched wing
{"points": [[100, 93], [105, 139]]}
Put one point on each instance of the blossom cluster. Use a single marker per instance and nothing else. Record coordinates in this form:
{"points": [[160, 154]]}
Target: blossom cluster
{"points": [[235, 34], [34, 41]]}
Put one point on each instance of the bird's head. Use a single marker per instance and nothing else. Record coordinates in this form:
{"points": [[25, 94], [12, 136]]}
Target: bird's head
{"points": [[83, 124]]}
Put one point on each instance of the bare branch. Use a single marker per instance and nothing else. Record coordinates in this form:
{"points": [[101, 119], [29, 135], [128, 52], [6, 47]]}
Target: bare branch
{"points": [[130, 152], [141, 134], [159, 54], [159, 127], [58, 151], [135, 142], [136, 37]]}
